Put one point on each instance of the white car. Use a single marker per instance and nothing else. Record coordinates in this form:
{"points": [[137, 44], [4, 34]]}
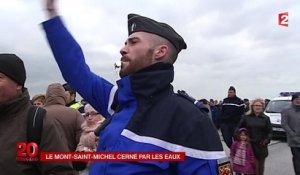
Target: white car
{"points": [[273, 111]]}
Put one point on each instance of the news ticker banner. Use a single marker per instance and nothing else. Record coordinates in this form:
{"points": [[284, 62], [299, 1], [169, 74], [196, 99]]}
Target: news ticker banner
{"points": [[112, 156], [30, 152]]}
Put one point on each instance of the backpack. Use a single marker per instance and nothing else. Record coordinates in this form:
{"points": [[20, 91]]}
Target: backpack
{"points": [[35, 119]]}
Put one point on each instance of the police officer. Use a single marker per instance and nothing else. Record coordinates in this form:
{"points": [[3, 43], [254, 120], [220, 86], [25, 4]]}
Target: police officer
{"points": [[71, 98], [233, 108], [144, 112]]}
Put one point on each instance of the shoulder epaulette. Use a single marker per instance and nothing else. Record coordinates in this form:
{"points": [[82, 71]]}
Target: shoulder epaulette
{"points": [[199, 105]]}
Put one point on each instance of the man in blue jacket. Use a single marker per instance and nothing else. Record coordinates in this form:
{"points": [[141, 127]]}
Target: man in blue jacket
{"points": [[144, 112]]}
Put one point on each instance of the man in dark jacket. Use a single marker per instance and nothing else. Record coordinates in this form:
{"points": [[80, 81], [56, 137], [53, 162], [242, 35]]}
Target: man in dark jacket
{"points": [[290, 121], [14, 107], [231, 113], [145, 114]]}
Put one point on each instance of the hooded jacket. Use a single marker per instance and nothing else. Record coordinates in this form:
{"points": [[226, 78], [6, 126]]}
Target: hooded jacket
{"points": [[69, 119], [88, 139], [13, 124], [149, 117]]}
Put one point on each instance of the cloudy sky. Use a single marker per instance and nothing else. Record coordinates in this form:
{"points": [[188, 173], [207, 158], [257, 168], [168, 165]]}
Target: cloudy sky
{"points": [[229, 42]]}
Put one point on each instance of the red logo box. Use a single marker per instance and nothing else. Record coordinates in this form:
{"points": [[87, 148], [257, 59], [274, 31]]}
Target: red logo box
{"points": [[283, 19]]}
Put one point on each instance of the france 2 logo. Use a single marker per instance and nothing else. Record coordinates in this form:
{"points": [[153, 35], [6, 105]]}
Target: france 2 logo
{"points": [[283, 19]]}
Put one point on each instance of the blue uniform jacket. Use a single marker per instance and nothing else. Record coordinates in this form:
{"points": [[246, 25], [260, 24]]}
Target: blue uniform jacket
{"points": [[233, 108], [150, 116]]}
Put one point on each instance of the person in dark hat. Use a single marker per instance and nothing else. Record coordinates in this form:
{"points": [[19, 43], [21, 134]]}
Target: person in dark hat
{"points": [[13, 75], [14, 107], [232, 110], [290, 121], [143, 114]]}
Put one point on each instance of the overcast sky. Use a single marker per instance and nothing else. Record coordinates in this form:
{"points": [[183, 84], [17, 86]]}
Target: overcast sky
{"points": [[229, 42]]}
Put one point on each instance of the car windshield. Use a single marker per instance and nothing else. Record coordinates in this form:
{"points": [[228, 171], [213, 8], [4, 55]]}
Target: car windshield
{"points": [[277, 106]]}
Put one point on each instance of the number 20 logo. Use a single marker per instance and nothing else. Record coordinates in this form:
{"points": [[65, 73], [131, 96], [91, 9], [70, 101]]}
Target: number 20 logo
{"points": [[27, 150], [283, 19]]}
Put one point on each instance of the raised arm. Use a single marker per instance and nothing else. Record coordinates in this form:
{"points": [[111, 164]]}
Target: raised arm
{"points": [[71, 61], [51, 8]]}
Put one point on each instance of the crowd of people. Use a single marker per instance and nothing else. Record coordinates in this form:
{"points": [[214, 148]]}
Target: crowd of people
{"points": [[251, 129], [246, 131], [141, 113]]}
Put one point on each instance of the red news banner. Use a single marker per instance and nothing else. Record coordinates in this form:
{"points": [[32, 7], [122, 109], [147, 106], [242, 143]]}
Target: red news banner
{"points": [[112, 156]]}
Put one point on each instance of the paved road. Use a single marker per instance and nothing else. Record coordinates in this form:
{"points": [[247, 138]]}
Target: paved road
{"points": [[279, 161]]}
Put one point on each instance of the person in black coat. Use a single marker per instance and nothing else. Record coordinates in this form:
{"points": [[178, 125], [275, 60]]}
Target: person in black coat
{"points": [[232, 110], [260, 131]]}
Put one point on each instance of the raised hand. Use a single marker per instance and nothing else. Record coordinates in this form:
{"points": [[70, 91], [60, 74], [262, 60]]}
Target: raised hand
{"points": [[51, 8]]}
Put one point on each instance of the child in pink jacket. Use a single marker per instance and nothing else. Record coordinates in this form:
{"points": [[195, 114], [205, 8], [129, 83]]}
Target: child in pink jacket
{"points": [[242, 155]]}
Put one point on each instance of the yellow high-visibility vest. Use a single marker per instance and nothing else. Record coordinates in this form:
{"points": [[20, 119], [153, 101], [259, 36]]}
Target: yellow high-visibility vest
{"points": [[76, 105]]}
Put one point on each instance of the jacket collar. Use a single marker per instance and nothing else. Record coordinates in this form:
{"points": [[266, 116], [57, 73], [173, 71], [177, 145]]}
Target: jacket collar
{"points": [[15, 105], [146, 83], [152, 80], [71, 103]]}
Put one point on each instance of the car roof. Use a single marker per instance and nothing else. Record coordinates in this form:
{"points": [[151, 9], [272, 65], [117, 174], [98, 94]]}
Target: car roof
{"points": [[282, 98]]}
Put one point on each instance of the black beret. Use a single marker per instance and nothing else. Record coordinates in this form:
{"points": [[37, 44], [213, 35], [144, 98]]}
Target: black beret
{"points": [[13, 67], [137, 23]]}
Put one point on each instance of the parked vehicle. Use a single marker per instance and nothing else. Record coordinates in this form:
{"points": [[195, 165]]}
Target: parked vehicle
{"points": [[273, 110]]}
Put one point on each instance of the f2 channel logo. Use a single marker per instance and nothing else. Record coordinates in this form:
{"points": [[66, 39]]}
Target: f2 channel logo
{"points": [[283, 19]]}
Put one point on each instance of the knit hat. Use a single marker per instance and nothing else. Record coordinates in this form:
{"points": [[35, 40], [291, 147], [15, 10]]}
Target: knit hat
{"points": [[13, 67], [296, 95]]}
